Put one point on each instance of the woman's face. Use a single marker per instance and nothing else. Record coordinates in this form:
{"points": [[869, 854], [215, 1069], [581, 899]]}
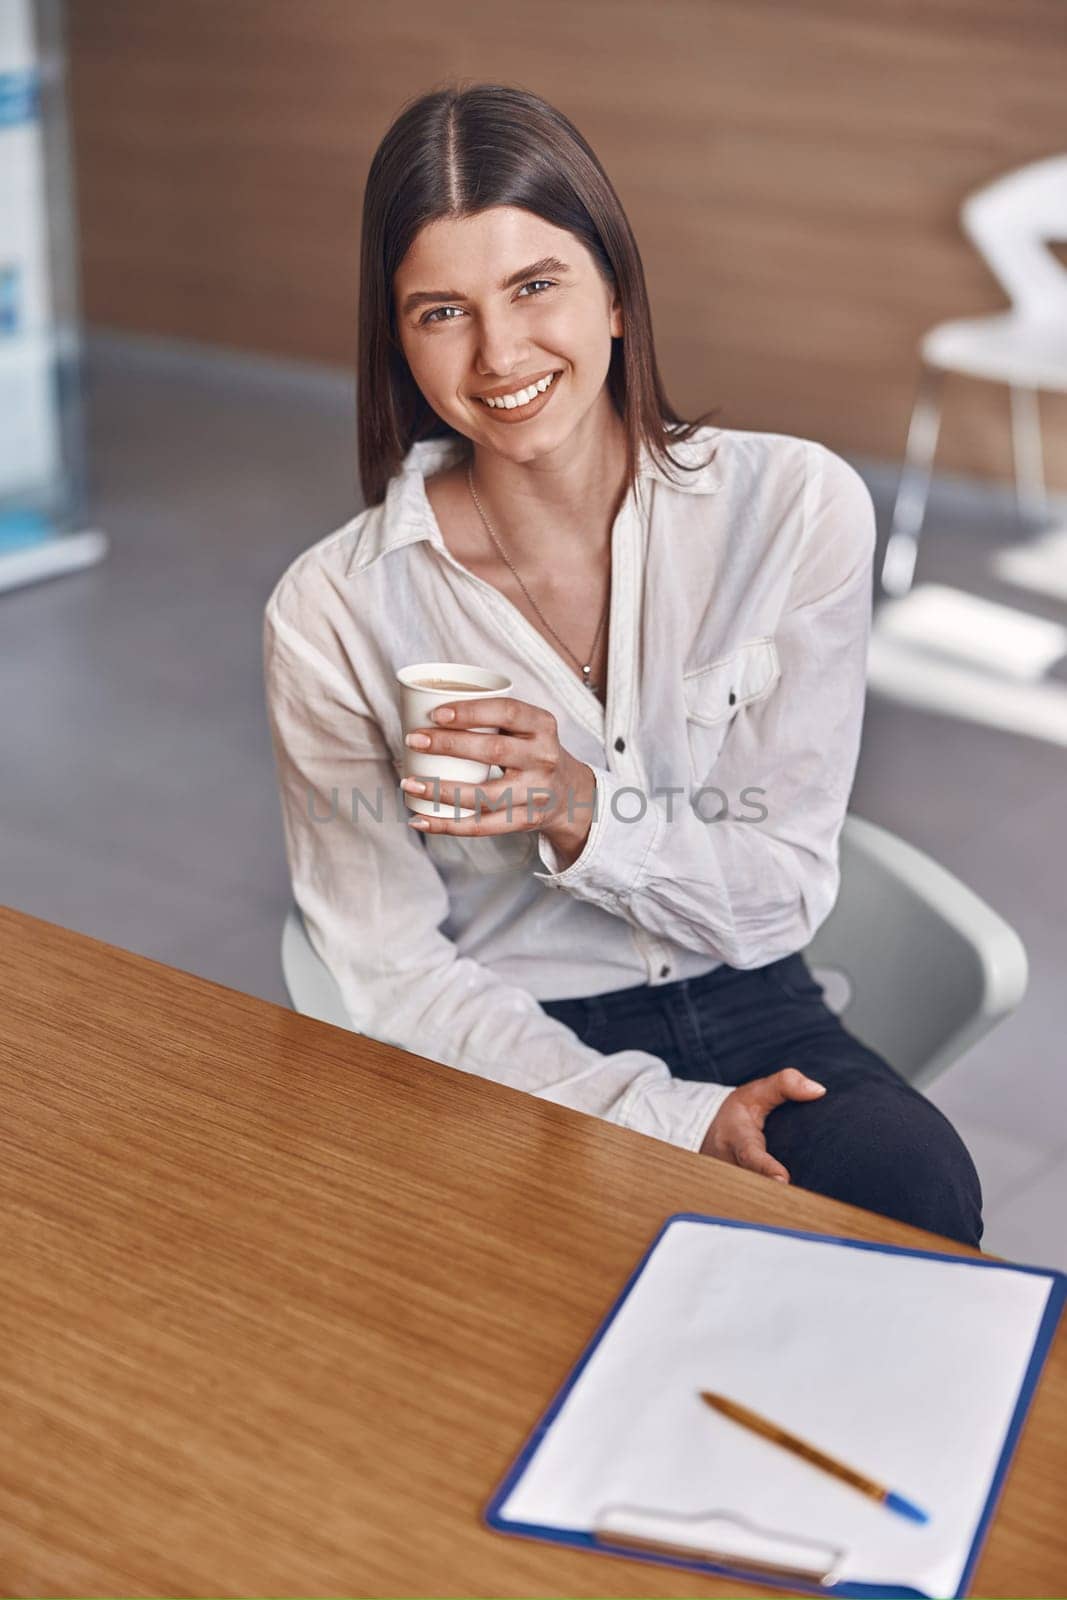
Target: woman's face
{"points": [[487, 306]]}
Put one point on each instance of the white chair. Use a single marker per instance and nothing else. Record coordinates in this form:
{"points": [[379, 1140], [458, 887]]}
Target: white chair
{"points": [[914, 963], [1010, 223]]}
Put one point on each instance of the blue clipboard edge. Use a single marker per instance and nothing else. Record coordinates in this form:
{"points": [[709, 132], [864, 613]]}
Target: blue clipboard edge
{"points": [[859, 1591]]}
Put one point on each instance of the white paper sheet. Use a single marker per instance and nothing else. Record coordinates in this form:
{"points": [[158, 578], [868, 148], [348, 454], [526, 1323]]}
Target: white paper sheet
{"points": [[906, 1368]]}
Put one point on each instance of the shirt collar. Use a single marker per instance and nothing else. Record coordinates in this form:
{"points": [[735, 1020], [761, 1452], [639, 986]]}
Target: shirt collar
{"points": [[406, 516]]}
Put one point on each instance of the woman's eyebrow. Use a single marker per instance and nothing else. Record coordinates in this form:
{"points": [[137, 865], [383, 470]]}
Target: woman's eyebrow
{"points": [[421, 297]]}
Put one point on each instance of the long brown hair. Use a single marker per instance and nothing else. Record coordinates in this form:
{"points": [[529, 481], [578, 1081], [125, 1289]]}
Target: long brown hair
{"points": [[453, 153]]}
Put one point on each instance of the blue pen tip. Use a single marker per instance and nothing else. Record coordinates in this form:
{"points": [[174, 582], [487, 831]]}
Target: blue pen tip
{"points": [[905, 1508]]}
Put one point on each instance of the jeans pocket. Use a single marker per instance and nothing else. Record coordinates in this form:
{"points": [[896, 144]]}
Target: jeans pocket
{"points": [[792, 977], [585, 1017]]}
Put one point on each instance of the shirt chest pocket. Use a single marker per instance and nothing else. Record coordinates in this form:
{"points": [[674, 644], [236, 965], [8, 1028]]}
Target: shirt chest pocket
{"points": [[716, 694]]}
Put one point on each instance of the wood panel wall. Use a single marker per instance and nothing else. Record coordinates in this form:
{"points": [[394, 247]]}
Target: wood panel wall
{"points": [[793, 170]]}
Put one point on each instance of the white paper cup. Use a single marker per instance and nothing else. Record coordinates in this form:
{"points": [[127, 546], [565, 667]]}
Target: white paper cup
{"points": [[415, 707]]}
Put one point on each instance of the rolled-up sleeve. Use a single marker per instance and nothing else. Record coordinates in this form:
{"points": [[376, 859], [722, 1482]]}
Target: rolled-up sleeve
{"points": [[746, 887], [373, 903]]}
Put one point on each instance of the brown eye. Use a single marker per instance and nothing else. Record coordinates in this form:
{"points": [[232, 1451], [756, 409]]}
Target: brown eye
{"points": [[431, 316]]}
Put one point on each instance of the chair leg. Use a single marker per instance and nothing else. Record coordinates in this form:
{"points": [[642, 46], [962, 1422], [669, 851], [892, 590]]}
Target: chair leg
{"points": [[1026, 445], [909, 509]]}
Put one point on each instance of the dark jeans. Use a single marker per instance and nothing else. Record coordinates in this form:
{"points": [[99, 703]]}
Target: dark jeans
{"points": [[872, 1140]]}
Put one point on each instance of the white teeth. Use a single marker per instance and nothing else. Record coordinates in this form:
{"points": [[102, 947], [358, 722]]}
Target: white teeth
{"points": [[522, 397]]}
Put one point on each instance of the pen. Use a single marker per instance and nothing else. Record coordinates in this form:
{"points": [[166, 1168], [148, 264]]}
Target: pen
{"points": [[818, 1458]]}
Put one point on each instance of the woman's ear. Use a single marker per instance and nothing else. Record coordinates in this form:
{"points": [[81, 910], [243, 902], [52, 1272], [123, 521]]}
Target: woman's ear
{"points": [[616, 318]]}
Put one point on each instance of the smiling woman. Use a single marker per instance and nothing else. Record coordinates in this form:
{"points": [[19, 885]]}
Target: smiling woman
{"points": [[678, 609], [457, 157]]}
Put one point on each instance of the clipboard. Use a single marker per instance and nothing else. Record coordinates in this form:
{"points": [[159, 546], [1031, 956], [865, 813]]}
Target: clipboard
{"points": [[761, 1297]]}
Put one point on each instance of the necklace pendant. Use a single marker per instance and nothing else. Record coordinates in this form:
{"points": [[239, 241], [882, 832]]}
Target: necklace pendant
{"points": [[586, 670]]}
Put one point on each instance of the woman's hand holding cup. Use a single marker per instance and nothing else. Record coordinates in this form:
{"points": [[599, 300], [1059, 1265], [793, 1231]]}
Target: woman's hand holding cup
{"points": [[543, 788]]}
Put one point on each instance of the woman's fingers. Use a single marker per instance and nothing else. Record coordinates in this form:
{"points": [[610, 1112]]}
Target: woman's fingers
{"points": [[746, 1111], [753, 1154], [789, 1084], [524, 744], [488, 801], [518, 716], [491, 749], [522, 735]]}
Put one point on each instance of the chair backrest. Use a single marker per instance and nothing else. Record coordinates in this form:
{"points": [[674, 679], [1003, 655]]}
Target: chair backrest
{"points": [[915, 964], [311, 985], [1010, 223]]}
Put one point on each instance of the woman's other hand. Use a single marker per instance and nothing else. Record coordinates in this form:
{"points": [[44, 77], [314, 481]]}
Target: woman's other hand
{"points": [[736, 1135]]}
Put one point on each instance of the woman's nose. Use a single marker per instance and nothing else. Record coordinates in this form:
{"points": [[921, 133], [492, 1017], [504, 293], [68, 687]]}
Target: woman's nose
{"points": [[501, 348]]}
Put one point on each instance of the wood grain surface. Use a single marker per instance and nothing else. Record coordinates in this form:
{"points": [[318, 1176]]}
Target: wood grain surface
{"points": [[279, 1304], [793, 170]]}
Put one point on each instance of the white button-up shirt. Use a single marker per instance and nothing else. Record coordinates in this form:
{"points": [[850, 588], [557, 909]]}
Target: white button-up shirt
{"points": [[724, 759]]}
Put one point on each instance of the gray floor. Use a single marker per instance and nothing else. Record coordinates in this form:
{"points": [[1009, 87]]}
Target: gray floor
{"points": [[138, 680]]}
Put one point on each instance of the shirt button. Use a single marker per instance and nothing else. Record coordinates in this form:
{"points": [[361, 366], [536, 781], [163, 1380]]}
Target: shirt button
{"points": [[620, 743], [664, 972], [733, 698]]}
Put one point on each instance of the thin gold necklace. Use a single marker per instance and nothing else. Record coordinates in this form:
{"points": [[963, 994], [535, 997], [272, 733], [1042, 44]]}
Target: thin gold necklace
{"points": [[586, 668]]}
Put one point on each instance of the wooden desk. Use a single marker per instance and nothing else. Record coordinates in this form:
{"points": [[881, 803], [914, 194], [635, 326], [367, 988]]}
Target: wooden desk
{"points": [[279, 1304]]}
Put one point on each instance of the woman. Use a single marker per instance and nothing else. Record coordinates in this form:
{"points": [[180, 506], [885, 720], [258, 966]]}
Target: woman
{"points": [[683, 612]]}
